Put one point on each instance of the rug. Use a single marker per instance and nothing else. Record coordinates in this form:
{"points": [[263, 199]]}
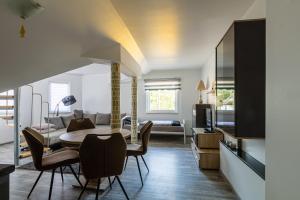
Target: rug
{"points": [[30, 166]]}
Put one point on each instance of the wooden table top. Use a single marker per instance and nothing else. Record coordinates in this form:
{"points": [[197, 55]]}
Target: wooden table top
{"points": [[77, 137]]}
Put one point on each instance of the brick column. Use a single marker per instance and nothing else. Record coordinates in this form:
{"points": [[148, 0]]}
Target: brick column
{"points": [[134, 110], [115, 96]]}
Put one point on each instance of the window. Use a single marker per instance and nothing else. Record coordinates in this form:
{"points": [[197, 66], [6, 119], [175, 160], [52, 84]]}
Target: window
{"points": [[162, 95], [57, 91]]}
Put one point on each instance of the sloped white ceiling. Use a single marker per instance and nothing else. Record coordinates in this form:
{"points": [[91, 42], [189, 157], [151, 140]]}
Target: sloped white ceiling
{"points": [[178, 33], [56, 39], [158, 34]]}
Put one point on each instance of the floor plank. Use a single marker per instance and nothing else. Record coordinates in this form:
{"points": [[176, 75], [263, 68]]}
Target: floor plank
{"points": [[173, 175]]}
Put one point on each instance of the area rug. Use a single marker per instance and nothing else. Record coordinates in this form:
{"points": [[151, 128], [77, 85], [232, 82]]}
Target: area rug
{"points": [[30, 166]]}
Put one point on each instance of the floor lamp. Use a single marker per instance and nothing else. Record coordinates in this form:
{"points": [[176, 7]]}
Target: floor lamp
{"points": [[67, 101]]}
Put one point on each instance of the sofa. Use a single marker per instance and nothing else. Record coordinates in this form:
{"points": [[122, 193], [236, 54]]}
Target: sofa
{"points": [[54, 127], [162, 127]]}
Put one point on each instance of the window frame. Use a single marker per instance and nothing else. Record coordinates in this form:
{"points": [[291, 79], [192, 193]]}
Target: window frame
{"points": [[50, 97], [176, 111]]}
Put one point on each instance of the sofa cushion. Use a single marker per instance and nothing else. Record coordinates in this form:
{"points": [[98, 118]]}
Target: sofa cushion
{"points": [[67, 120], [53, 136], [92, 117], [78, 114], [43, 126], [123, 115], [103, 118], [57, 121]]}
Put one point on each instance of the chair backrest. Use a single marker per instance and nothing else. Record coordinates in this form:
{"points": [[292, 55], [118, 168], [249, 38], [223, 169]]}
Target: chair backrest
{"points": [[145, 135], [80, 124], [35, 142], [102, 156]]}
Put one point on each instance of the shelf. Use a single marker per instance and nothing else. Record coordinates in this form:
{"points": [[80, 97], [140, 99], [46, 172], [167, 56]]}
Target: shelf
{"points": [[6, 107], [251, 162], [7, 97], [7, 117]]}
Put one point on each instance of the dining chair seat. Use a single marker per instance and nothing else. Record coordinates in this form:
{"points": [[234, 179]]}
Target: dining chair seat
{"points": [[61, 158], [134, 149]]}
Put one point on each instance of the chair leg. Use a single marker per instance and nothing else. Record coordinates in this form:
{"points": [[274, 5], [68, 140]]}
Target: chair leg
{"points": [[145, 163], [113, 181], [73, 172], [61, 173], [138, 164], [98, 186], [51, 184], [78, 170], [126, 162], [109, 182], [117, 177], [82, 191], [37, 180]]}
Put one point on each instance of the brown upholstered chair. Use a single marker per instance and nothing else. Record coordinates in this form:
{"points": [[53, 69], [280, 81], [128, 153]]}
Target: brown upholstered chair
{"points": [[52, 161], [102, 156], [80, 124], [76, 125], [140, 149]]}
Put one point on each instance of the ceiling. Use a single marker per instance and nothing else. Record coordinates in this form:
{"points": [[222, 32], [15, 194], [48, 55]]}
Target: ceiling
{"points": [[95, 69], [158, 34], [57, 38], [178, 33]]}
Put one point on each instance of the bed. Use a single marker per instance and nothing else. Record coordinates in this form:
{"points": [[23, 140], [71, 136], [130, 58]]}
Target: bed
{"points": [[163, 127]]}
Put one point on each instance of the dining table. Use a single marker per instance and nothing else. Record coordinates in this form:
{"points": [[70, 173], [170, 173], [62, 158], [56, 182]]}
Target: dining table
{"points": [[75, 138]]}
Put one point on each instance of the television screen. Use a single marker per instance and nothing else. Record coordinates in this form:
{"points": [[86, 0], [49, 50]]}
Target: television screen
{"points": [[209, 120]]}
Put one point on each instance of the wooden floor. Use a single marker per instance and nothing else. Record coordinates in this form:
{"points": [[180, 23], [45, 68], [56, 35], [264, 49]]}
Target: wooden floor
{"points": [[173, 175]]}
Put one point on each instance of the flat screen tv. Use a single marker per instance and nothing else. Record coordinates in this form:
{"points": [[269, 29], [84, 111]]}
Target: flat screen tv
{"points": [[209, 128]]}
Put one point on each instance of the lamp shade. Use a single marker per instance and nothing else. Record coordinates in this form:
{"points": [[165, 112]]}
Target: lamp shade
{"points": [[68, 100], [201, 86]]}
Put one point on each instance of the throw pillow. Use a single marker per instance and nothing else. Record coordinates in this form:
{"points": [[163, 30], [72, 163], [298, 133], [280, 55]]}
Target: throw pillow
{"points": [[67, 120], [103, 119], [92, 117], [57, 121], [78, 114]]}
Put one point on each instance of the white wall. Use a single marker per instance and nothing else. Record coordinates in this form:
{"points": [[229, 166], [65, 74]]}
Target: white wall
{"points": [[254, 147], [42, 87], [96, 94], [242, 178], [187, 97], [246, 183], [283, 97], [6, 133]]}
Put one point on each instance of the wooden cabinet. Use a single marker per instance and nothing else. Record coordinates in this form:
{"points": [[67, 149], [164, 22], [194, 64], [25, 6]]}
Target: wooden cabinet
{"points": [[205, 147], [241, 79], [209, 140], [199, 115]]}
